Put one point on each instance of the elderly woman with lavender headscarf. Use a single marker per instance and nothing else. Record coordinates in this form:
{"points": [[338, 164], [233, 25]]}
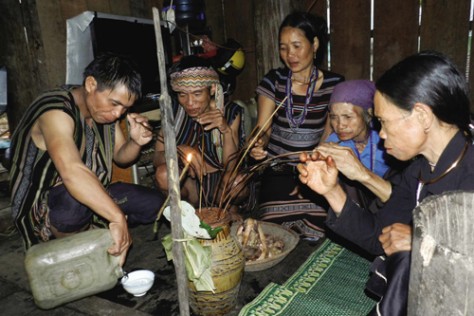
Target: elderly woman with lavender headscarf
{"points": [[355, 145]]}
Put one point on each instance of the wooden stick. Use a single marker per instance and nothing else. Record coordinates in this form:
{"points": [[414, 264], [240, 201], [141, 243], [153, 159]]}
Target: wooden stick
{"points": [[165, 203], [249, 146], [172, 169]]}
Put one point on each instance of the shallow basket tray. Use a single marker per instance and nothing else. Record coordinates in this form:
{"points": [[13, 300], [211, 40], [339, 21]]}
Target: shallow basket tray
{"points": [[289, 237]]}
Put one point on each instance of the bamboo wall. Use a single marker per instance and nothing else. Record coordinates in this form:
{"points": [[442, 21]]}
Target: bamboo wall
{"points": [[33, 36]]}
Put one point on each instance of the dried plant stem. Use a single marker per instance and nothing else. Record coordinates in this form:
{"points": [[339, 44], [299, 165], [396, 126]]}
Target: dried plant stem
{"points": [[203, 145], [165, 203], [259, 132], [249, 173], [250, 145]]}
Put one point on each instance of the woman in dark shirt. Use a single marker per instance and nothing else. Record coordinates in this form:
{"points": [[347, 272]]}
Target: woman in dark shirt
{"points": [[422, 104]]}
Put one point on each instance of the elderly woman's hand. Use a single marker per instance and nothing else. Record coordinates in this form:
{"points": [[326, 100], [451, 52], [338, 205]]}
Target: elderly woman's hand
{"points": [[346, 161], [395, 238], [318, 172]]}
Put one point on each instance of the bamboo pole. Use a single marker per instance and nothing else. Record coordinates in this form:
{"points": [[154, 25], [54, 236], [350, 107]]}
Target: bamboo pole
{"points": [[172, 168]]}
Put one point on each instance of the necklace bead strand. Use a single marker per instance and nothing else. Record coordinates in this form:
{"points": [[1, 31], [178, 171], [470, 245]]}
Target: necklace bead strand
{"points": [[296, 121]]}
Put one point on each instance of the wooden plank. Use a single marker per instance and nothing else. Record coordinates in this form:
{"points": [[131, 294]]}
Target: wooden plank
{"points": [[20, 53], [445, 28], [471, 75], [215, 20], [350, 38], [395, 32], [441, 276], [316, 7], [53, 33], [71, 8], [240, 26], [99, 6], [268, 16], [173, 177], [121, 7]]}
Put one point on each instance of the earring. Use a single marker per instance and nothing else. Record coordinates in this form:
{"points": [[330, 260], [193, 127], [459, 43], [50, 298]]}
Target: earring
{"points": [[314, 55]]}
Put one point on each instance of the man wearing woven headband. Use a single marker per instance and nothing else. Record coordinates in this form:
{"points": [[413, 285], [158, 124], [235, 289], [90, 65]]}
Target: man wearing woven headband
{"points": [[205, 127]]}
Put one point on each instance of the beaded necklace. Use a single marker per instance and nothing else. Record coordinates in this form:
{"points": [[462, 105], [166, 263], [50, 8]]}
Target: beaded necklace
{"points": [[296, 120]]}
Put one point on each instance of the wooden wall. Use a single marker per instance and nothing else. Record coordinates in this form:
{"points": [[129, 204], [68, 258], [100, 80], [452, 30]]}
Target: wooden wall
{"points": [[33, 42], [33, 36]]}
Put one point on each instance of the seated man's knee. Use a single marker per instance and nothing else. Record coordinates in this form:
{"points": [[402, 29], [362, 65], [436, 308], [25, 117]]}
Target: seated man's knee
{"points": [[161, 177], [66, 214]]}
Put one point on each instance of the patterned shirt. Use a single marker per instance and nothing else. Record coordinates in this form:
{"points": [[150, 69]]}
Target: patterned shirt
{"points": [[189, 132], [33, 173], [284, 138]]}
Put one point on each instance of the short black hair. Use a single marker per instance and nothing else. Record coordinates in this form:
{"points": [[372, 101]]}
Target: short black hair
{"points": [[190, 61], [110, 69]]}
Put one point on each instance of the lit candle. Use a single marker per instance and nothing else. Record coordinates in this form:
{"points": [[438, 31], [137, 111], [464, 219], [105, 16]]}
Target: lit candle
{"points": [[189, 157]]}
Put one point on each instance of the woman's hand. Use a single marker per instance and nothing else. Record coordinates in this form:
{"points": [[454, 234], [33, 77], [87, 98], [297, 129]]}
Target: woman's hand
{"points": [[258, 151], [318, 172], [395, 238], [346, 161]]}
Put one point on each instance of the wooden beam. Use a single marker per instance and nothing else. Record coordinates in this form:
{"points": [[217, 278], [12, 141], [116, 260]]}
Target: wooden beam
{"points": [[172, 169], [395, 33], [350, 38], [446, 32]]}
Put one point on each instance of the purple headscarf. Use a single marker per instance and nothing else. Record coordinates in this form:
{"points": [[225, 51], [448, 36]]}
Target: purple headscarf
{"points": [[356, 92]]}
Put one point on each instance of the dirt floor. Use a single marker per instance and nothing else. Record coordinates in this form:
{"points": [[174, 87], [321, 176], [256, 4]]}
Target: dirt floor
{"points": [[146, 253]]}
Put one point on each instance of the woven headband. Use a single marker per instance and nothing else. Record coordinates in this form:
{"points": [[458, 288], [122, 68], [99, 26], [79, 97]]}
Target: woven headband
{"points": [[193, 77]]}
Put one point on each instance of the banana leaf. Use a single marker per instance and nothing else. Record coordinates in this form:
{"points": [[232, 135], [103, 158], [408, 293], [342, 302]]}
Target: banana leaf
{"points": [[197, 261]]}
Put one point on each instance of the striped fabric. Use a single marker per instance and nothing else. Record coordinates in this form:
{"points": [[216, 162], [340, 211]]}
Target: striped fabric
{"points": [[193, 77], [307, 136], [32, 172], [189, 132], [304, 212]]}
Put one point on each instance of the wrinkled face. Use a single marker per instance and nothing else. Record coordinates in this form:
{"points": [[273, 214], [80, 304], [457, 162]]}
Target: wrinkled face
{"points": [[295, 49], [195, 101], [109, 105], [348, 121], [403, 134]]}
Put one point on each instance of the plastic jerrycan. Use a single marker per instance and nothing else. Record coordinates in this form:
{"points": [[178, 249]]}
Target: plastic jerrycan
{"points": [[70, 268]]}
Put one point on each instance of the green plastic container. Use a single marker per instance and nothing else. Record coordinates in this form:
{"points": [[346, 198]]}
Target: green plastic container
{"points": [[70, 268]]}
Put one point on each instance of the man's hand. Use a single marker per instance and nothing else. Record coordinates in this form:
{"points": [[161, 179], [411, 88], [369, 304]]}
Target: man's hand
{"points": [[395, 238], [197, 167], [140, 130], [214, 118], [122, 239]]}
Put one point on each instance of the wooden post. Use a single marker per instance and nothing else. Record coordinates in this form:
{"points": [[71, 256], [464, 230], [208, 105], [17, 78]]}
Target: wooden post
{"points": [[173, 176], [442, 273]]}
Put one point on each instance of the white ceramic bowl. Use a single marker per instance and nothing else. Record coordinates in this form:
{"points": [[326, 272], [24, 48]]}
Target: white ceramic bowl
{"points": [[138, 282]]}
